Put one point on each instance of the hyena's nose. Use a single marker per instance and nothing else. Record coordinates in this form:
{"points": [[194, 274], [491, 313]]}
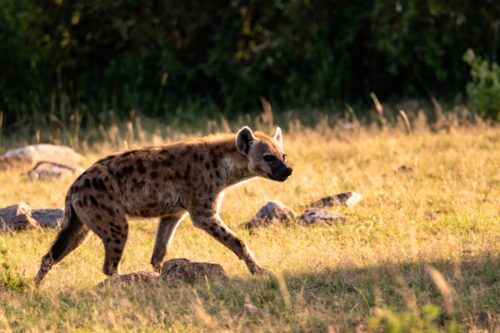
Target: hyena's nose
{"points": [[289, 171]]}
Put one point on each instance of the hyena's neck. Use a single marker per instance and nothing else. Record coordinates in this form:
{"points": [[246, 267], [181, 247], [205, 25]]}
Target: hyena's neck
{"points": [[234, 165]]}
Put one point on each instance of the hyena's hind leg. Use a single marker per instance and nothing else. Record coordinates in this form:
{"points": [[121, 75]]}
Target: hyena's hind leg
{"points": [[166, 230], [67, 240], [114, 239]]}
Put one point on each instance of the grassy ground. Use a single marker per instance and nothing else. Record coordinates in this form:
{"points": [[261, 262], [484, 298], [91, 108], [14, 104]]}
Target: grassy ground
{"points": [[421, 252]]}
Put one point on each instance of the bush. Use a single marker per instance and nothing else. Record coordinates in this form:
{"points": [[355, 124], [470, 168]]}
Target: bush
{"points": [[484, 90], [92, 56]]}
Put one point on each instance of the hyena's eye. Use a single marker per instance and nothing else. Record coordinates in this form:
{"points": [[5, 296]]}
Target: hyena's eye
{"points": [[284, 157], [269, 158]]}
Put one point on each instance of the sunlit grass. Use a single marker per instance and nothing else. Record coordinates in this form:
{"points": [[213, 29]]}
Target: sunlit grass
{"points": [[371, 272]]}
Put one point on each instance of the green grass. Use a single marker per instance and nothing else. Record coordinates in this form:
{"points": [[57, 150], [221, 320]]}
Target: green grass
{"points": [[395, 266]]}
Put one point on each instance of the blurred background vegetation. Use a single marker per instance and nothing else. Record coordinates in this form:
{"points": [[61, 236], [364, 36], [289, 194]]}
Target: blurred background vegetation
{"points": [[81, 61]]}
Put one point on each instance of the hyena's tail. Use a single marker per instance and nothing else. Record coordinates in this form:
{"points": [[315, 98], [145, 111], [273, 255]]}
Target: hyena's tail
{"points": [[72, 234]]}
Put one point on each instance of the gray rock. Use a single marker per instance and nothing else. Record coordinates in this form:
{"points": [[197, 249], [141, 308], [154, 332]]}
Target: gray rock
{"points": [[50, 171], [33, 154], [348, 199], [22, 216], [318, 215], [129, 279], [273, 211], [17, 217], [191, 272], [48, 218], [172, 270]]}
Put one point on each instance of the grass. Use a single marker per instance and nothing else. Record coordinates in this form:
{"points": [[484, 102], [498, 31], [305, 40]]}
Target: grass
{"points": [[421, 253]]}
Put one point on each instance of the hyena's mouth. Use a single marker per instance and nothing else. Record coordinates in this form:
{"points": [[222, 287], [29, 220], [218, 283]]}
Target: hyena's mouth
{"points": [[278, 178]]}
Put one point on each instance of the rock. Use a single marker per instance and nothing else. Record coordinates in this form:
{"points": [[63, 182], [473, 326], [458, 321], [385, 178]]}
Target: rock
{"points": [[132, 278], [22, 216], [348, 199], [318, 215], [174, 269], [26, 157], [191, 272], [48, 218], [49, 171], [16, 217], [272, 211], [405, 169], [250, 308]]}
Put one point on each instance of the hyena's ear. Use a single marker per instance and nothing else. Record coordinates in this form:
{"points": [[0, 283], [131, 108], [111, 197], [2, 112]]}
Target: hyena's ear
{"points": [[244, 139], [278, 137]]}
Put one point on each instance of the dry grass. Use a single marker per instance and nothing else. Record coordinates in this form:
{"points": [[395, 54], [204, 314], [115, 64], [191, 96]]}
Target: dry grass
{"points": [[421, 252]]}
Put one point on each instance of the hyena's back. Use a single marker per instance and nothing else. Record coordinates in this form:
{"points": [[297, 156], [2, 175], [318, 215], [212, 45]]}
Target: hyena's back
{"points": [[147, 183]]}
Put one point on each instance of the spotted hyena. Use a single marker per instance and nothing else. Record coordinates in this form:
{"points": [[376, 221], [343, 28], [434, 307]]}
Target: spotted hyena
{"points": [[166, 181]]}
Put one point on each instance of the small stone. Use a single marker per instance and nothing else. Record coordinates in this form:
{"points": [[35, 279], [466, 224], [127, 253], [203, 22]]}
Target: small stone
{"points": [[51, 171], [272, 211], [48, 218], [349, 199], [17, 217], [132, 278], [191, 272], [250, 308], [318, 215], [405, 169]]}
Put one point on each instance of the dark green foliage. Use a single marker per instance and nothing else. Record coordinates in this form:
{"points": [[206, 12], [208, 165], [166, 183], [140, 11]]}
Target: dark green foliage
{"points": [[86, 57], [484, 89]]}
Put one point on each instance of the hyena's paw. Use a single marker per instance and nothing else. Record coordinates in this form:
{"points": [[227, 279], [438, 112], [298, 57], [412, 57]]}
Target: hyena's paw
{"points": [[261, 271]]}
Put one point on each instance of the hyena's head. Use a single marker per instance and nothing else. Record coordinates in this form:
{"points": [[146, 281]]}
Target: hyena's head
{"points": [[265, 154]]}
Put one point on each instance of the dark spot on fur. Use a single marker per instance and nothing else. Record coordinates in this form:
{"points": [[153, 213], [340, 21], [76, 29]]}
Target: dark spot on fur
{"points": [[108, 240], [98, 184], [127, 170], [225, 238], [153, 174], [217, 173], [137, 185], [187, 171], [140, 166], [93, 201], [166, 163], [109, 210], [239, 242], [177, 174], [98, 217], [214, 160], [155, 164], [86, 183], [117, 250], [207, 165], [115, 264], [117, 241]]}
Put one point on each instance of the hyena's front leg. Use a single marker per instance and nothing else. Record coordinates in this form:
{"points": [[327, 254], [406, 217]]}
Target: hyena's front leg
{"points": [[166, 230], [220, 231]]}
